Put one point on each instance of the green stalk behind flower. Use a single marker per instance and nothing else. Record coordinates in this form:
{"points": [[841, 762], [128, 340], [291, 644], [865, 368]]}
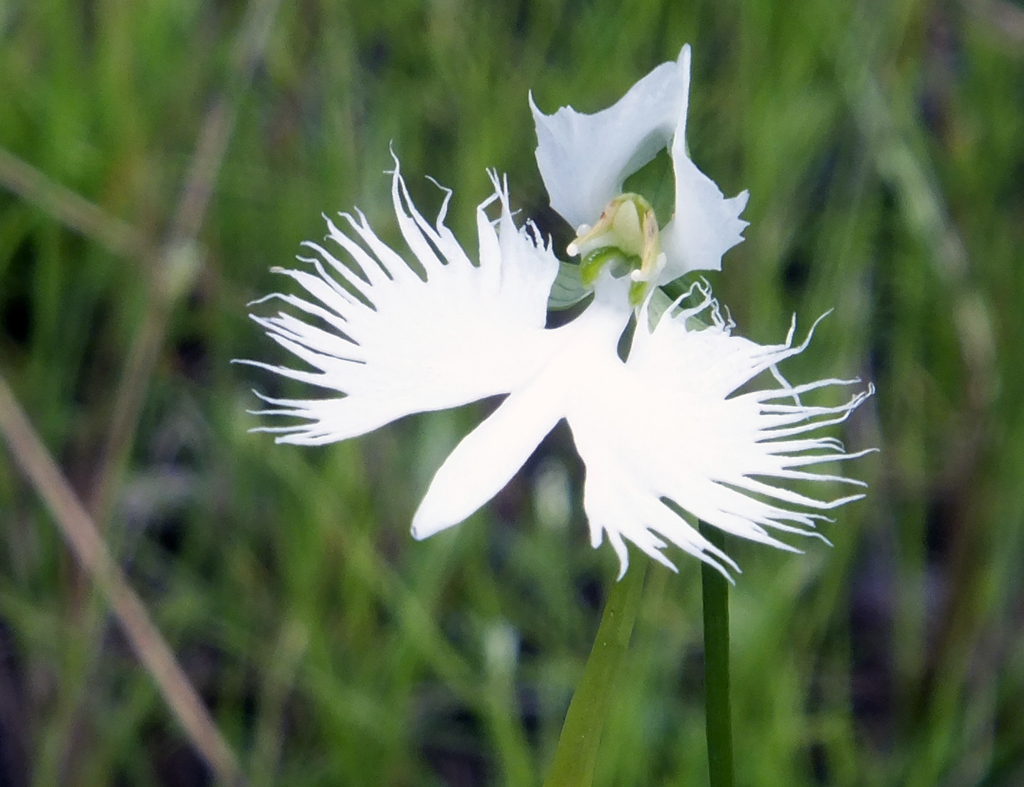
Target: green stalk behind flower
{"points": [[576, 755], [718, 715]]}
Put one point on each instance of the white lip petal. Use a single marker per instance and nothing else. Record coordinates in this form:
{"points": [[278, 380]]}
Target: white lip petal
{"points": [[487, 458], [395, 344], [584, 159]]}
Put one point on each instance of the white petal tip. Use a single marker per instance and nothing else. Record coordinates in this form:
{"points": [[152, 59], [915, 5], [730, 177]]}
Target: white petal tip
{"points": [[424, 526]]}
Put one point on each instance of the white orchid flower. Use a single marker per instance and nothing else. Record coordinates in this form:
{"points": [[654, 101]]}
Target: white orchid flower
{"points": [[665, 424]]}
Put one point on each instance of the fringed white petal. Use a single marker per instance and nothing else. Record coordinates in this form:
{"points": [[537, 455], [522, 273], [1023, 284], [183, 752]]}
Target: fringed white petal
{"points": [[584, 159], [395, 344], [668, 425]]}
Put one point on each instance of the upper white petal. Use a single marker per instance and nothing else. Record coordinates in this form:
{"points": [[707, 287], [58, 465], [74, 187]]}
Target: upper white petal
{"points": [[705, 224], [395, 344], [667, 424], [584, 159]]}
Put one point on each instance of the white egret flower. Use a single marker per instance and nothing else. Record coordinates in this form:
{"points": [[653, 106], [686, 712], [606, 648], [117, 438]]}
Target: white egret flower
{"points": [[666, 426]]}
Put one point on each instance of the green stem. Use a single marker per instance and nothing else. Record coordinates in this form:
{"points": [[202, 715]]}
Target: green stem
{"points": [[715, 589], [576, 755]]}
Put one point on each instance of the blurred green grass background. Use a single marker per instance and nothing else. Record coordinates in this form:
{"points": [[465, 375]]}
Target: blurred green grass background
{"points": [[883, 147]]}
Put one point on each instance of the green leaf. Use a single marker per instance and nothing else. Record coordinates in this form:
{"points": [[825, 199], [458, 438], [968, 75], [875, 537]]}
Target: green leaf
{"points": [[567, 290]]}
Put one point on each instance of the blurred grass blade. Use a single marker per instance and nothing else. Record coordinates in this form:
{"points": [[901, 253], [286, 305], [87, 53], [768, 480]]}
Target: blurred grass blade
{"points": [[71, 209], [180, 260], [85, 541]]}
